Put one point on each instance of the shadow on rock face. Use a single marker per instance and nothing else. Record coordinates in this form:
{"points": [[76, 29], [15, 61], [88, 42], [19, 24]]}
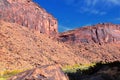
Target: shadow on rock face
{"points": [[52, 72], [108, 71]]}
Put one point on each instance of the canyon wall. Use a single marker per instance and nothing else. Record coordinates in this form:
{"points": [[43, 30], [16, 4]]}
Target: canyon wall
{"points": [[29, 14], [100, 33]]}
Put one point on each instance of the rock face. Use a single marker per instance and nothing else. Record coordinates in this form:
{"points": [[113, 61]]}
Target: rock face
{"points": [[20, 1], [43, 73], [29, 14], [100, 33]]}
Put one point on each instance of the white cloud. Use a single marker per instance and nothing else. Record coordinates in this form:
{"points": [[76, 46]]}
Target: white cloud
{"points": [[64, 28], [92, 11], [115, 2], [103, 2], [118, 19], [98, 7], [92, 2], [89, 24]]}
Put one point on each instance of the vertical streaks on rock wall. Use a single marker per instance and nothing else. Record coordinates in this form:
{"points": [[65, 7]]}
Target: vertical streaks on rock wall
{"points": [[29, 14]]}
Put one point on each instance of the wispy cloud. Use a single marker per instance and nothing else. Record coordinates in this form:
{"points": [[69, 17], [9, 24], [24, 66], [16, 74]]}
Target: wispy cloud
{"points": [[106, 2], [92, 11], [92, 2], [89, 24], [96, 7], [64, 28], [115, 2], [118, 19]]}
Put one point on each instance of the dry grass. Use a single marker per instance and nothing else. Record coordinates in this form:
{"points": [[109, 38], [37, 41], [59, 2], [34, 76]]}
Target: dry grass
{"points": [[4, 75], [74, 68]]}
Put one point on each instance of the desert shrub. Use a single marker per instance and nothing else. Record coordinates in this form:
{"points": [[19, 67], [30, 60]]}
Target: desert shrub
{"points": [[92, 71], [8, 73]]}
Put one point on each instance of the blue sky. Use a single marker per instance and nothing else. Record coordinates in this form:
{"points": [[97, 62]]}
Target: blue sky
{"points": [[72, 14]]}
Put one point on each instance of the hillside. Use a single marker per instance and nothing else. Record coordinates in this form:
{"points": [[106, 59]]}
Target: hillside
{"points": [[22, 48], [95, 43]]}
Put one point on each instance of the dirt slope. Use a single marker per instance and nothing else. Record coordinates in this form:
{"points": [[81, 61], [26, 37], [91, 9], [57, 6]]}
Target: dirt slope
{"points": [[22, 48], [96, 53]]}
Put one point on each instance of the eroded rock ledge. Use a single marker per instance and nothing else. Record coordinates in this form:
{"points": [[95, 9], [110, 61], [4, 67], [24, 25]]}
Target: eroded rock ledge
{"points": [[100, 33]]}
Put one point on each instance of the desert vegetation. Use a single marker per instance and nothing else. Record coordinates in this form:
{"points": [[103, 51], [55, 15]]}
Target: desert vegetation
{"points": [[4, 75], [104, 71]]}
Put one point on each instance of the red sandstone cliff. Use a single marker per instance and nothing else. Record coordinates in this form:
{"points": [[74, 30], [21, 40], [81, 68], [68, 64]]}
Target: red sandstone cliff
{"points": [[100, 33], [29, 14]]}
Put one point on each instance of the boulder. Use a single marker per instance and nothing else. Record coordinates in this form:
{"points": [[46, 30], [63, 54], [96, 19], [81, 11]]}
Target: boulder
{"points": [[51, 72]]}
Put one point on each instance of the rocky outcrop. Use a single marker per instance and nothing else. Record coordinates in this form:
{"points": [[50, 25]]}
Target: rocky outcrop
{"points": [[29, 14], [52, 72], [100, 33]]}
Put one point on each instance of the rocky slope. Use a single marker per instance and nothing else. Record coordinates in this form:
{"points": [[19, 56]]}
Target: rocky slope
{"points": [[52, 72], [94, 43], [29, 14], [100, 33], [22, 48]]}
